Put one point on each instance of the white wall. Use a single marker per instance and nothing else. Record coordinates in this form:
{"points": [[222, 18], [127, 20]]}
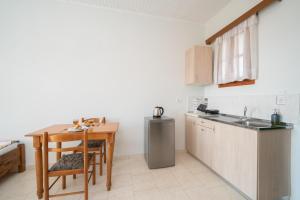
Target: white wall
{"points": [[60, 61], [279, 69]]}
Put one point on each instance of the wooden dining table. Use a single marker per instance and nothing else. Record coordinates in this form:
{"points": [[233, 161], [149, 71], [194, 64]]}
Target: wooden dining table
{"points": [[105, 131]]}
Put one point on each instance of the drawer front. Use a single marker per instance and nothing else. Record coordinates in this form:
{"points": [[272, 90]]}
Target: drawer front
{"points": [[206, 130], [9, 156], [9, 162], [205, 123]]}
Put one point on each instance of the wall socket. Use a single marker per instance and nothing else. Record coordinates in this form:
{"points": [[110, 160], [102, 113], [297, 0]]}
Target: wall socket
{"points": [[281, 100]]}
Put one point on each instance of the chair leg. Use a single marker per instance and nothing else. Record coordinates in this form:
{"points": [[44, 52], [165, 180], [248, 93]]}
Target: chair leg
{"points": [[86, 189], [104, 151], [100, 160], [94, 170], [74, 175], [64, 182]]}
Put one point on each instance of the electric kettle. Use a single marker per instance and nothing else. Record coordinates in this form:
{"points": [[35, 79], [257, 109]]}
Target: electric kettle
{"points": [[158, 111]]}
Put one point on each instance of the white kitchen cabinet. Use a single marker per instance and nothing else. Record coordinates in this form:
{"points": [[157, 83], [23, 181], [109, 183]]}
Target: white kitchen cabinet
{"points": [[255, 162], [199, 139], [198, 65], [235, 156], [204, 144], [191, 135]]}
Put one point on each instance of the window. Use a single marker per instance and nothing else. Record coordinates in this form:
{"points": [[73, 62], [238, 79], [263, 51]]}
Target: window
{"points": [[236, 55]]}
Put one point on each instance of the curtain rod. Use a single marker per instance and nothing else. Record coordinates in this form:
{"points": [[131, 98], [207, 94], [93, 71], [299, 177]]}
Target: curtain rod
{"points": [[260, 6]]}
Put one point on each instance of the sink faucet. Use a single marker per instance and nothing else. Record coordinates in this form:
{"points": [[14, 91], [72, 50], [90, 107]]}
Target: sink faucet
{"points": [[245, 112]]}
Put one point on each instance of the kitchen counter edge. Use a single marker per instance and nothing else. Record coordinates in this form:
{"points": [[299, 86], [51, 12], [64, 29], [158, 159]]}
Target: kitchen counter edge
{"points": [[215, 119]]}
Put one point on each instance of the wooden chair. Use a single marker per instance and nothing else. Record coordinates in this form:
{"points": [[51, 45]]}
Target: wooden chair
{"points": [[68, 164], [101, 143], [101, 120], [98, 147]]}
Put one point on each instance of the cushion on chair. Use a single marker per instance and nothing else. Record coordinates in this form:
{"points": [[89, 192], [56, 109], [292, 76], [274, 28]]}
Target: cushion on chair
{"points": [[70, 161], [94, 143]]}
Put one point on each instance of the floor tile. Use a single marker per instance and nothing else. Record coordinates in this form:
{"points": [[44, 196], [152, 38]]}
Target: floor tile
{"points": [[148, 195], [144, 181], [165, 179], [176, 193], [125, 193]]}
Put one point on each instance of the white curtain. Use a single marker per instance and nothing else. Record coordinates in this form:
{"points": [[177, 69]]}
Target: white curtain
{"points": [[236, 53]]}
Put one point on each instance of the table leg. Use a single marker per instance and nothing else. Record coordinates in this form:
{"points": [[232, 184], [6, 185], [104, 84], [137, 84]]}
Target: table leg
{"points": [[114, 147], [110, 149], [38, 166]]}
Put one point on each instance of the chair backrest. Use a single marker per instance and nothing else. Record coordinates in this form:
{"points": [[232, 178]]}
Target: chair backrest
{"points": [[98, 120], [65, 137]]}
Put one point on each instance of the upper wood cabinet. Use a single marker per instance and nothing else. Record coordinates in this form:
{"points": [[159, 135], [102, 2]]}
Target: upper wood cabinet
{"points": [[198, 65]]}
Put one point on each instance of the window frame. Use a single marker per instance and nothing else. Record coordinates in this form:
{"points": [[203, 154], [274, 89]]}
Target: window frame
{"points": [[237, 83]]}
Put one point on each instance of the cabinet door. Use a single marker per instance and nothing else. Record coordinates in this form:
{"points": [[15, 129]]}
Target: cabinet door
{"points": [[204, 144], [198, 65], [189, 66], [191, 135], [188, 129], [235, 157], [203, 65]]}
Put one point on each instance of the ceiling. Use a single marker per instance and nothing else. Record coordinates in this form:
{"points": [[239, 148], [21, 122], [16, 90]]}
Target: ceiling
{"points": [[191, 10]]}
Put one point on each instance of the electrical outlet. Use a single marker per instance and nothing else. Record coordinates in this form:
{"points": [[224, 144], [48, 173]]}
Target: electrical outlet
{"points": [[178, 100], [281, 100]]}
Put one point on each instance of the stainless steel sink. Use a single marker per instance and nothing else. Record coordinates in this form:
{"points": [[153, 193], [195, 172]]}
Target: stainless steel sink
{"points": [[228, 118], [253, 123]]}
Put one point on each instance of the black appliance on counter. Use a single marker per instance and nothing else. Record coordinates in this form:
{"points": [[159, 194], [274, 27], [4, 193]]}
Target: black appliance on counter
{"points": [[203, 108]]}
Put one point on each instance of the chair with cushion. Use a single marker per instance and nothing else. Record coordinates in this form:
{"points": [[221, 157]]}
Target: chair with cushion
{"points": [[99, 143], [68, 164], [97, 147]]}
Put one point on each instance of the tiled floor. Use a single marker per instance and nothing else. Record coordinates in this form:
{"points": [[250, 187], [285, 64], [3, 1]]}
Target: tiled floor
{"points": [[132, 180]]}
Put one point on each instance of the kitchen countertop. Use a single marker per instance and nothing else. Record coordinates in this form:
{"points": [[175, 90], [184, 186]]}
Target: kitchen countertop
{"points": [[254, 123]]}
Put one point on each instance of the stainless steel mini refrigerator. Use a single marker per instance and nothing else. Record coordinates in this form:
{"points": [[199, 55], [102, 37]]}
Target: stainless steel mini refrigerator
{"points": [[159, 142]]}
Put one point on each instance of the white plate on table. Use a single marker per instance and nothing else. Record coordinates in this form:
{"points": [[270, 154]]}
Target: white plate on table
{"points": [[72, 129]]}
